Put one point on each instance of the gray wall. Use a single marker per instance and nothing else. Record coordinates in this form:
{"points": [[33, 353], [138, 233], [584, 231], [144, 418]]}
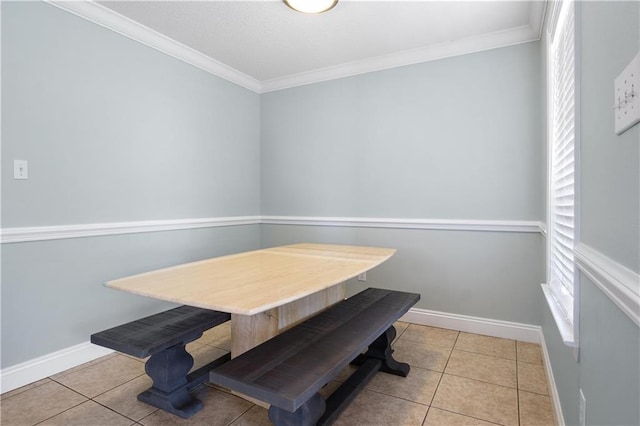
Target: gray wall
{"points": [[113, 131], [457, 138], [609, 362], [116, 131]]}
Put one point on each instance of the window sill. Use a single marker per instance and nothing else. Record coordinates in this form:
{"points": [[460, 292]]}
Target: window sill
{"points": [[565, 327]]}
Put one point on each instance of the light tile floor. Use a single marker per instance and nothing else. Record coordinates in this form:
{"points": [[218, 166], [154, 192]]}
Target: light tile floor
{"points": [[456, 378]]}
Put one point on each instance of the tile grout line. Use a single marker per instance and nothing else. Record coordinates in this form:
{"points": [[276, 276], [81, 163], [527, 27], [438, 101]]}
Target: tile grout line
{"points": [[101, 393], [121, 414], [397, 397], [63, 411], [518, 384], [480, 353], [443, 370], [471, 417], [243, 413], [481, 381], [3, 397], [441, 376], [88, 398]]}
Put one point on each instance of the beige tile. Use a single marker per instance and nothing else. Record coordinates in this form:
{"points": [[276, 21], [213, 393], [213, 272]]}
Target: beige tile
{"points": [[38, 404], [124, 398], [430, 335], [345, 373], [192, 346], [222, 331], [98, 378], [535, 410], [256, 416], [477, 399], [329, 388], [438, 417], [86, 364], [372, 408], [532, 378], [400, 327], [24, 388], [486, 345], [220, 408], [529, 353], [88, 413], [418, 386], [485, 368], [421, 355], [224, 343], [204, 355]]}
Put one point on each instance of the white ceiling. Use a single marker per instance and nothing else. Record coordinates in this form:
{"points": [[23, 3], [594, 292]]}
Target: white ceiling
{"points": [[268, 44]]}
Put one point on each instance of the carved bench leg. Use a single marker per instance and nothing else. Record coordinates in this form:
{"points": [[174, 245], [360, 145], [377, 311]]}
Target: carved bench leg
{"points": [[307, 415], [381, 349], [170, 391]]}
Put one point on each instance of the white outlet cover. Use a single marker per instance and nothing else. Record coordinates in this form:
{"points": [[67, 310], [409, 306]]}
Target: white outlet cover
{"points": [[627, 97]]}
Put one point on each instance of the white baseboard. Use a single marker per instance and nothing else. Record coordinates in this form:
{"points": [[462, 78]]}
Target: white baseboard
{"points": [[553, 390], [477, 325], [47, 365]]}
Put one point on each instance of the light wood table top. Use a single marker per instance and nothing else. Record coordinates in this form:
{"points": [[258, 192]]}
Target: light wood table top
{"points": [[253, 282]]}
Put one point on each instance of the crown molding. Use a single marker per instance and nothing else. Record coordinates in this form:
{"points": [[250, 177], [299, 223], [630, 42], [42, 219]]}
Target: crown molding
{"points": [[114, 21], [537, 15], [434, 52]]}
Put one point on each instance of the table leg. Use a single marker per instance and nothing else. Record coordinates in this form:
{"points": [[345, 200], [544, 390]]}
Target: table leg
{"points": [[248, 331]]}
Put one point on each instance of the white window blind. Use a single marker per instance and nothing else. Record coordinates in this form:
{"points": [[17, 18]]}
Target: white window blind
{"points": [[562, 170]]}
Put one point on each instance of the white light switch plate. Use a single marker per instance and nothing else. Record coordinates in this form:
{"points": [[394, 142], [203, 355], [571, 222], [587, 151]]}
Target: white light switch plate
{"points": [[20, 169], [627, 97]]}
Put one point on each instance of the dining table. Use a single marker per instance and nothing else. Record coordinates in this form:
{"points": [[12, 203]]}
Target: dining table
{"points": [[266, 291]]}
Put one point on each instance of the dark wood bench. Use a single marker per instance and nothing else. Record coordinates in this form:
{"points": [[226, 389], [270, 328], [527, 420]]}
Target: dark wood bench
{"points": [[289, 370], [164, 336]]}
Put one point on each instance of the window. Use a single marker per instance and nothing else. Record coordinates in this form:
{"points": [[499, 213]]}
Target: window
{"points": [[560, 290]]}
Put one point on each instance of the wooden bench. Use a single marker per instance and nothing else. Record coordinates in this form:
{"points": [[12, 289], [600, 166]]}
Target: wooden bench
{"points": [[164, 336], [289, 370]]}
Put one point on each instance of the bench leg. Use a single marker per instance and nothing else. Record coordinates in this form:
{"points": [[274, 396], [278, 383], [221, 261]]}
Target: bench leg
{"points": [[381, 349], [307, 415], [170, 391]]}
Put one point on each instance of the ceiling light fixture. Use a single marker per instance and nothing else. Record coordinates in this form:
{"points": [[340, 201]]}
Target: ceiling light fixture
{"points": [[311, 6]]}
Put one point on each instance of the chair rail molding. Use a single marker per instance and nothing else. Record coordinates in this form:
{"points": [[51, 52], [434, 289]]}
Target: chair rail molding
{"points": [[619, 283], [44, 233], [427, 224], [60, 232]]}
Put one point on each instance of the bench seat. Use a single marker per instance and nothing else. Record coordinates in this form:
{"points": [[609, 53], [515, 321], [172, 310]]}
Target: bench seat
{"points": [[289, 370], [164, 337]]}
